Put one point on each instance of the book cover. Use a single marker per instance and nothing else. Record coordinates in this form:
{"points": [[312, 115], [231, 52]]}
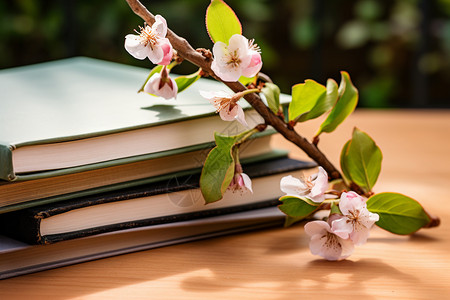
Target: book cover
{"points": [[174, 200], [54, 114]]}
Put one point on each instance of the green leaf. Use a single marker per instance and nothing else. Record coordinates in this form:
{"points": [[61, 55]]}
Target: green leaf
{"points": [[185, 81], [304, 97], [272, 93], [361, 160], [155, 70], [218, 170], [345, 105], [335, 208], [246, 80], [398, 213], [221, 22], [344, 163], [324, 103], [224, 141], [297, 207]]}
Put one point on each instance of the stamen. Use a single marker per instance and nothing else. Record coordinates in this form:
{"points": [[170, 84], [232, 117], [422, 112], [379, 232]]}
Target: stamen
{"points": [[221, 103], [253, 46], [147, 35], [309, 183], [234, 61]]}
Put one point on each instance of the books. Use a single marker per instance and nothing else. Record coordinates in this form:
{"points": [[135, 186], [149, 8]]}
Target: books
{"points": [[94, 169], [80, 111], [167, 201], [135, 171], [17, 258]]}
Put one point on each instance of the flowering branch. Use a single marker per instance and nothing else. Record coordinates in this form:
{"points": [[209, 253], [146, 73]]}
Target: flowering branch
{"points": [[353, 206], [187, 52]]}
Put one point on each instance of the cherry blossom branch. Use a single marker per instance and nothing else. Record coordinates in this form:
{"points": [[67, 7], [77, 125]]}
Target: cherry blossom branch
{"points": [[203, 60]]}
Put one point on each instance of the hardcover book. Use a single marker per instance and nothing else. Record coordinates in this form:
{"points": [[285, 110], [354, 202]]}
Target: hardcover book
{"points": [[80, 111], [113, 176], [174, 200], [18, 258]]}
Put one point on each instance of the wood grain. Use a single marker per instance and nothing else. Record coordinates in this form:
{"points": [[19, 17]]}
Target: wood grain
{"points": [[276, 263]]}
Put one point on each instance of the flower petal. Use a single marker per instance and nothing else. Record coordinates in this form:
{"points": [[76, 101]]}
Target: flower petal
{"points": [[317, 193], [152, 84], [254, 65], [238, 42], [228, 114], [317, 243], [155, 54], [330, 247], [351, 202], [209, 95], [221, 53], [317, 228], [134, 47], [167, 52], [160, 26], [247, 182], [341, 227], [167, 91], [293, 186], [240, 117], [347, 248], [227, 73], [360, 235]]}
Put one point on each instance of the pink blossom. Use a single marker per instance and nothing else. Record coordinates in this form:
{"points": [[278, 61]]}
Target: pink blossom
{"points": [[160, 84], [151, 42], [313, 188], [168, 53], [324, 242], [241, 181], [255, 62], [356, 220], [239, 58], [226, 105]]}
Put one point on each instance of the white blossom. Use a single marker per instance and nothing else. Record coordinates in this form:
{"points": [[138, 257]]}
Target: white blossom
{"points": [[324, 242], [356, 220], [160, 84], [239, 58], [151, 42], [313, 187], [226, 105], [241, 182]]}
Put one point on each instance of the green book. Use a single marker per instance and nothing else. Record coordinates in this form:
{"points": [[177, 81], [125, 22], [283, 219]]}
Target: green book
{"points": [[76, 114], [19, 195]]}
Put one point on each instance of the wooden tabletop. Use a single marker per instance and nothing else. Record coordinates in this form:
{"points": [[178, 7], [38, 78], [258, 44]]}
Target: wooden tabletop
{"points": [[276, 263]]}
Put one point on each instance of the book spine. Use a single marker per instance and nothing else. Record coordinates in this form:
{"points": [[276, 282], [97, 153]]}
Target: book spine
{"points": [[6, 165], [23, 227]]}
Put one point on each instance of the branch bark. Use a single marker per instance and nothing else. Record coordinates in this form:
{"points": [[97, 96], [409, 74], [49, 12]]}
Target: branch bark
{"points": [[185, 50]]}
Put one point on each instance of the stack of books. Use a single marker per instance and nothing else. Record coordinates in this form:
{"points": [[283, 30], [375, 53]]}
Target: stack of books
{"points": [[90, 169]]}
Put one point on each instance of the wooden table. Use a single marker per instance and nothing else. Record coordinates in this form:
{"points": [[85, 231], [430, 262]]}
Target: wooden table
{"points": [[276, 263]]}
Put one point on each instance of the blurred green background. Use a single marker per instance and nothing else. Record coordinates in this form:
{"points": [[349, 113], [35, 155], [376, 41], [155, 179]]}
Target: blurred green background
{"points": [[397, 52]]}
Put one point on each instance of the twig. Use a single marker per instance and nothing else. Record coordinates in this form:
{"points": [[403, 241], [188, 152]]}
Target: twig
{"points": [[186, 51]]}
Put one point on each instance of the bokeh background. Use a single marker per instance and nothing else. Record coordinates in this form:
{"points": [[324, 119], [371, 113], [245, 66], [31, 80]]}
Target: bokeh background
{"points": [[397, 52]]}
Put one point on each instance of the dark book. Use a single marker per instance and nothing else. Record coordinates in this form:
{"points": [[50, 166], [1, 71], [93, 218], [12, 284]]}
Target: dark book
{"points": [[174, 200], [18, 258]]}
